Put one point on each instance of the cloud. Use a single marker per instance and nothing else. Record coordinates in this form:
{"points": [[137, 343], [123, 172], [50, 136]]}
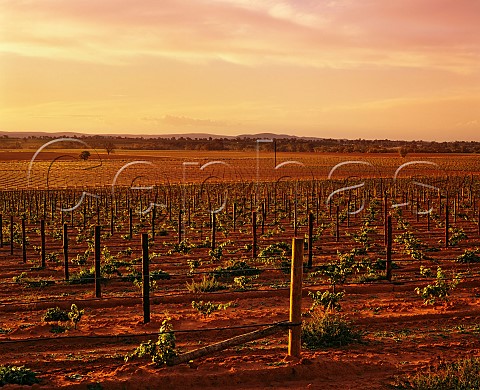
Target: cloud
{"points": [[182, 121], [339, 34]]}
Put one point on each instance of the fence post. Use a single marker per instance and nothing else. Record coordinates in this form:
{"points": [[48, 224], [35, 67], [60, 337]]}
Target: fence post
{"points": [[214, 229], [295, 332], [11, 235], [145, 279], [98, 289], [446, 224], [1, 231], [24, 241], [337, 225], [65, 250], [42, 240], [130, 223], [234, 215], [310, 240], [389, 249]]}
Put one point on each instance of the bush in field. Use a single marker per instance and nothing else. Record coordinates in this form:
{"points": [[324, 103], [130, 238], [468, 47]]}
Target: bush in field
{"points": [[440, 290], [338, 272], [243, 282], [326, 299], [456, 235], [235, 268], [75, 314], [18, 375], [205, 285], [161, 352], [327, 330], [461, 375], [207, 308], [55, 314], [469, 256]]}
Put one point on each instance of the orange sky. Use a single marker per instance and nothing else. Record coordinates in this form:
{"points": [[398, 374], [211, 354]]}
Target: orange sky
{"points": [[398, 69]]}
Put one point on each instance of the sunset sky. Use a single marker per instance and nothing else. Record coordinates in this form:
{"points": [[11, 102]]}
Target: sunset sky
{"points": [[398, 69]]}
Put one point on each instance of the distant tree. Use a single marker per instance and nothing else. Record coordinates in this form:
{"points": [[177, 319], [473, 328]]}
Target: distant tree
{"points": [[403, 151], [85, 155], [109, 146]]}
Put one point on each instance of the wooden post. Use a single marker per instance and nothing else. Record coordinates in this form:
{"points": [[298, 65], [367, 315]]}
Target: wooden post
{"points": [[42, 240], [1, 231], [428, 215], [214, 228], [65, 250], [263, 218], [310, 240], [24, 241], [154, 211], [389, 249], [254, 234], [447, 233], [179, 227], [234, 215], [98, 291], [337, 225], [112, 223], [11, 235], [295, 332], [130, 223], [145, 279], [385, 218]]}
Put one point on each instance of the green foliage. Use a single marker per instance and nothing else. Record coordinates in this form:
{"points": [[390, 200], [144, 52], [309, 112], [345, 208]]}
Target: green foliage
{"points": [[55, 314], [440, 290], [84, 155], [456, 235], [205, 285], [469, 256], [194, 264], [338, 272], [278, 249], [159, 275], [183, 247], [19, 375], [84, 276], [243, 282], [327, 330], [461, 375], [75, 315], [207, 308], [236, 268], [28, 282], [161, 352], [412, 245], [426, 272], [363, 236], [328, 300]]}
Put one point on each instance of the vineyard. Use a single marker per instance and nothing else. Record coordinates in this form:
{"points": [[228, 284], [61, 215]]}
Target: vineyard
{"points": [[391, 254]]}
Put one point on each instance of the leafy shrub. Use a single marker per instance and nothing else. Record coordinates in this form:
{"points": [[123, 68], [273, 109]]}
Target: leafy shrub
{"points": [[242, 282], [456, 235], [327, 300], [159, 275], [207, 308], [469, 256], [55, 314], [183, 247], [19, 375], [163, 351], [23, 279], [277, 249], [236, 268], [75, 314], [441, 289], [338, 272], [205, 285], [327, 330], [84, 276], [461, 375]]}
